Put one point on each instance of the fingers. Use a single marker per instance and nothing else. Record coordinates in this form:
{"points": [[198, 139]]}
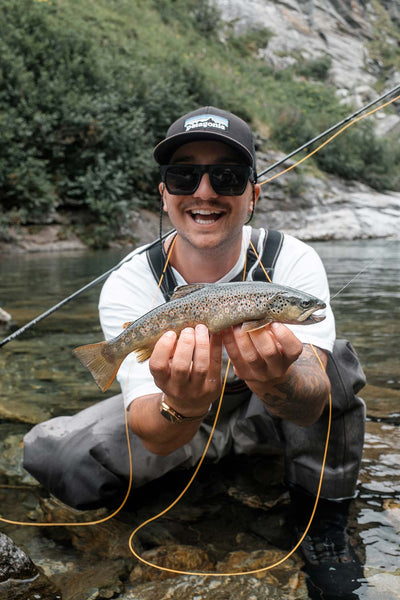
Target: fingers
{"points": [[263, 354], [282, 339], [161, 355], [189, 366]]}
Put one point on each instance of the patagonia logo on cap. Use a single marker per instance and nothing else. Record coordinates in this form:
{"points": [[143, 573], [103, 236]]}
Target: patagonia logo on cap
{"points": [[206, 122]]}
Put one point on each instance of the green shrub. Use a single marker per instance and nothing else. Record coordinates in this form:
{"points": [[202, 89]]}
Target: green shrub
{"points": [[88, 88], [250, 42], [316, 68]]}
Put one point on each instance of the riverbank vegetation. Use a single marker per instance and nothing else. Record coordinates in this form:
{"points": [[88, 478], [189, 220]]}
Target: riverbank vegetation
{"points": [[88, 87]]}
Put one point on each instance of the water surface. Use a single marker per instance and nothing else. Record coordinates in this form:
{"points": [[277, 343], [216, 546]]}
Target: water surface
{"points": [[41, 378]]}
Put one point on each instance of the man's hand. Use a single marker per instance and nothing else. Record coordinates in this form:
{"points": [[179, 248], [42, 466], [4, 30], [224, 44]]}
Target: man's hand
{"points": [[263, 355], [188, 370], [283, 373]]}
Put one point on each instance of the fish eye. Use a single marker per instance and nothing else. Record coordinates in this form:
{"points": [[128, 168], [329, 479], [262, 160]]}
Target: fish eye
{"points": [[305, 303]]}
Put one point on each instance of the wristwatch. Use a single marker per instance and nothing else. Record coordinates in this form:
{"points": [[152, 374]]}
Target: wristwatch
{"points": [[173, 416]]}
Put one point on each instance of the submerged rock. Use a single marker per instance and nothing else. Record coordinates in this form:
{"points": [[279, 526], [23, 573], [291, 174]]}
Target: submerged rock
{"points": [[20, 579], [175, 557], [218, 588]]}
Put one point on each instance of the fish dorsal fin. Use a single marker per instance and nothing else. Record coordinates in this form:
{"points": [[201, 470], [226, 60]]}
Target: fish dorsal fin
{"points": [[253, 325], [183, 290]]}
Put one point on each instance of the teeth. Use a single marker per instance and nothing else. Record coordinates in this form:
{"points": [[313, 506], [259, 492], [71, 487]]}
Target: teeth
{"points": [[205, 212], [197, 213]]}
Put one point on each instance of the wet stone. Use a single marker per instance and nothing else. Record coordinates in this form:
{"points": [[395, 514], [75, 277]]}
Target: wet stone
{"points": [[20, 578], [14, 563], [105, 539], [24, 412], [262, 561], [175, 557], [98, 580], [217, 588], [11, 450]]}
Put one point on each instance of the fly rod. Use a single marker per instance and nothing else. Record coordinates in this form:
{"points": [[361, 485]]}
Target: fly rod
{"points": [[91, 284], [74, 295], [329, 130], [53, 309]]}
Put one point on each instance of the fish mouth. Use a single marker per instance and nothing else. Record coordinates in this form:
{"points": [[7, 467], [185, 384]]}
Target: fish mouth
{"points": [[308, 317], [205, 217]]}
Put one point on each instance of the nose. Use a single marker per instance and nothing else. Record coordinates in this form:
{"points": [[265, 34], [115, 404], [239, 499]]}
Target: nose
{"points": [[205, 189]]}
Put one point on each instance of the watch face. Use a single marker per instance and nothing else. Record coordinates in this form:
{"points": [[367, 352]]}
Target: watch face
{"points": [[169, 416], [173, 416]]}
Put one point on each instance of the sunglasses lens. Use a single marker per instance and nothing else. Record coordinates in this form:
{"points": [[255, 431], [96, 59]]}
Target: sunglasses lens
{"points": [[229, 180], [182, 179], [226, 180]]}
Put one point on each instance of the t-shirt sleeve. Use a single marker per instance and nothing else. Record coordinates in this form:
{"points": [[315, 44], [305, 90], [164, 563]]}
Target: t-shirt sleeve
{"points": [[129, 293]]}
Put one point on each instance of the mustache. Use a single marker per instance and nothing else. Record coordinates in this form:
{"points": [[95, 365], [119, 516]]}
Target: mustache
{"points": [[209, 205]]}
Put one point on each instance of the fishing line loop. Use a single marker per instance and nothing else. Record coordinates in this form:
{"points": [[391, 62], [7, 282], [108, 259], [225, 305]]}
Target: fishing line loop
{"points": [[168, 508]]}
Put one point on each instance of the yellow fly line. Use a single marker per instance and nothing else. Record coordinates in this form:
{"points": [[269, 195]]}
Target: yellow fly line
{"points": [[168, 508], [332, 137], [186, 488]]}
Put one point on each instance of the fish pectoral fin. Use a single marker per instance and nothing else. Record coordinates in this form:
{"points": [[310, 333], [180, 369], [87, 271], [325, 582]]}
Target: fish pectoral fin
{"points": [[183, 290], [253, 325], [128, 324], [143, 353]]}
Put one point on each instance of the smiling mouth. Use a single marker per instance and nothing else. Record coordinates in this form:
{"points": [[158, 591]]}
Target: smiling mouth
{"points": [[205, 217]]}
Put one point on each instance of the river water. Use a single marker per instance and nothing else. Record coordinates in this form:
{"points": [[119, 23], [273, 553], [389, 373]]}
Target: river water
{"points": [[40, 377]]}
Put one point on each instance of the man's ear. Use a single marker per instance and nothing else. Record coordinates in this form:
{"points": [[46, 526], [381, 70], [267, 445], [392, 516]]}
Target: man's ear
{"points": [[161, 189]]}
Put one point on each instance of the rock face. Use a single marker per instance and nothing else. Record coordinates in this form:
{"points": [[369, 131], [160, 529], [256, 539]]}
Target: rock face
{"points": [[314, 28], [354, 36], [328, 208]]}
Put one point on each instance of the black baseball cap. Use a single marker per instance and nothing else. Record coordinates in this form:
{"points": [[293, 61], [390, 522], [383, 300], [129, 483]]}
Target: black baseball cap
{"points": [[208, 123]]}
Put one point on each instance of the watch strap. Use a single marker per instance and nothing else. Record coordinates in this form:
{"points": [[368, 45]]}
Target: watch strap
{"points": [[173, 416]]}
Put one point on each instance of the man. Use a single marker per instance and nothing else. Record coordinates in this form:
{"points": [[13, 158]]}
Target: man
{"points": [[278, 389]]}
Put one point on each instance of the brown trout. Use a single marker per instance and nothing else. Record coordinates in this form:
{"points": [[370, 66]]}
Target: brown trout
{"points": [[216, 305]]}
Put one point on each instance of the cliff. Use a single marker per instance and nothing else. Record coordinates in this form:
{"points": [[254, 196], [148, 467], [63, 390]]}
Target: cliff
{"points": [[361, 41]]}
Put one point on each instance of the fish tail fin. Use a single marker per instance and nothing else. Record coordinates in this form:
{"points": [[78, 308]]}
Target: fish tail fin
{"points": [[102, 364]]}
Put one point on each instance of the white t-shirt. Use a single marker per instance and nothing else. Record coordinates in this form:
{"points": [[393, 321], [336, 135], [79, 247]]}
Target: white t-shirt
{"points": [[132, 291]]}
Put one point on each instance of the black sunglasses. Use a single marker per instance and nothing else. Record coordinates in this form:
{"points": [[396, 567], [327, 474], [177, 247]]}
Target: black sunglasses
{"points": [[226, 180]]}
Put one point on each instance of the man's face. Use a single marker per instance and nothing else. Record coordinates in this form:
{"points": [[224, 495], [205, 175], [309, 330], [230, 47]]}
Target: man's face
{"points": [[206, 219]]}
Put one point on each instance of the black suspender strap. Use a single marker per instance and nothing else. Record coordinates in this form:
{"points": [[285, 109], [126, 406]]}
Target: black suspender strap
{"points": [[272, 244], [157, 258]]}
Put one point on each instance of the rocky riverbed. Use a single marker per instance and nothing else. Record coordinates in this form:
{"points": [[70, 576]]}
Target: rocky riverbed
{"points": [[234, 518]]}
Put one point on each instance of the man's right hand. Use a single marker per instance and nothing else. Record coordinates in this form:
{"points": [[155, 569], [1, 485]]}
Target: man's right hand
{"points": [[188, 370]]}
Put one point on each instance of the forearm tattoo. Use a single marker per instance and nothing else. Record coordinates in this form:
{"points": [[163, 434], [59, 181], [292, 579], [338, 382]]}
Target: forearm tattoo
{"points": [[304, 387]]}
